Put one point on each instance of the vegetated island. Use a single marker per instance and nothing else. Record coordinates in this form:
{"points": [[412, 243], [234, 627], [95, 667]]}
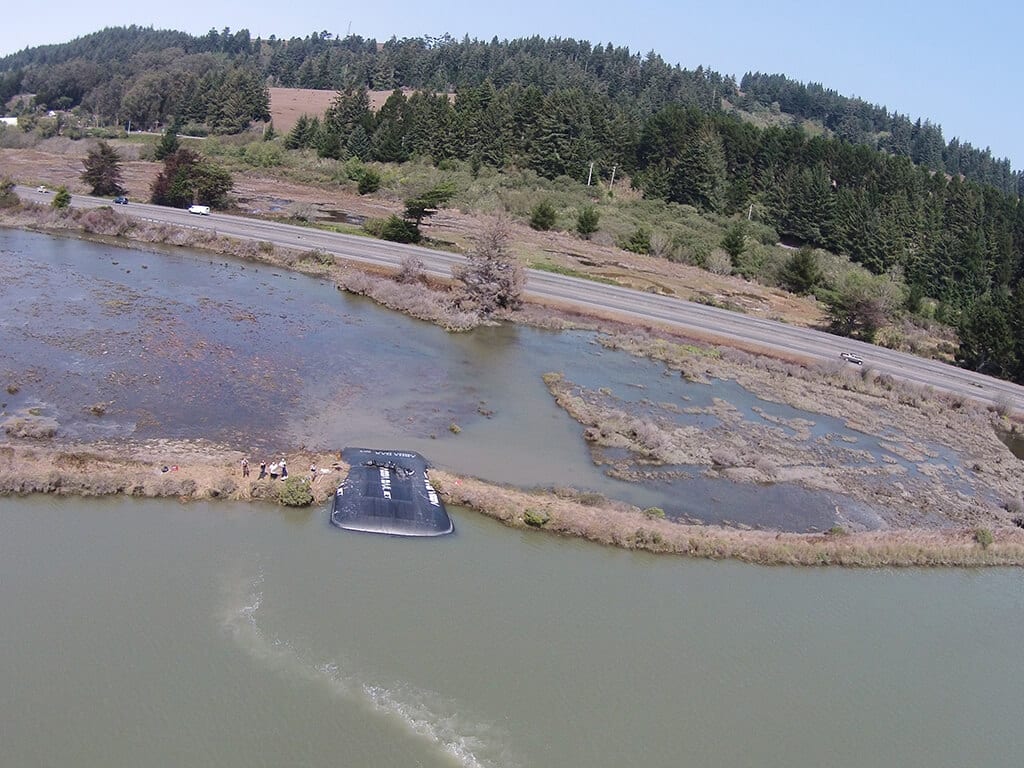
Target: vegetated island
{"points": [[925, 516]]}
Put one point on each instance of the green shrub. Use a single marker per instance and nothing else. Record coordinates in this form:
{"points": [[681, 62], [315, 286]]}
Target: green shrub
{"points": [[398, 230], [536, 518], [586, 222], [295, 492], [194, 129], [655, 512], [984, 537], [263, 155], [369, 181], [62, 199], [374, 227], [639, 242], [543, 216]]}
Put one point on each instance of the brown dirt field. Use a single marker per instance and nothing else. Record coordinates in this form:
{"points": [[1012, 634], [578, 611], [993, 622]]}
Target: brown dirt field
{"points": [[53, 164], [288, 104]]}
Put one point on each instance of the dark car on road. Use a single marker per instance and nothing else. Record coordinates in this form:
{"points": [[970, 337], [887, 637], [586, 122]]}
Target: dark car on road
{"points": [[121, 200]]}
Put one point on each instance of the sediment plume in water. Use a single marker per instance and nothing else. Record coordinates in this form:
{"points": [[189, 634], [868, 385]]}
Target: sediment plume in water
{"points": [[424, 713]]}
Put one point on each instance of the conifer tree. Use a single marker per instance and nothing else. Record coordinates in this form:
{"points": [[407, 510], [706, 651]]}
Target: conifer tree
{"points": [[167, 145], [586, 222], [734, 240], [103, 170], [801, 272]]}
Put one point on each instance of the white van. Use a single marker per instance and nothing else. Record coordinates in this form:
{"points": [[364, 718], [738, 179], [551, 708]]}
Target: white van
{"points": [[202, 210]]}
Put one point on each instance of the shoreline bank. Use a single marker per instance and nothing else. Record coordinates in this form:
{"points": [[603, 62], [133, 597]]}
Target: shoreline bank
{"points": [[195, 470]]}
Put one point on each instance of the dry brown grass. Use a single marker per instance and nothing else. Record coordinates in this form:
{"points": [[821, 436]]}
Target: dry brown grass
{"points": [[194, 470], [413, 299], [615, 525]]}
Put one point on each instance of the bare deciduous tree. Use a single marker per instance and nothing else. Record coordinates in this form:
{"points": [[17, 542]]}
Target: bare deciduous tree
{"points": [[492, 280], [411, 270]]}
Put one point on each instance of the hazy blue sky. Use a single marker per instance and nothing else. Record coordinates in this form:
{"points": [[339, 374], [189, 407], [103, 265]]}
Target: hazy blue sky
{"points": [[956, 63]]}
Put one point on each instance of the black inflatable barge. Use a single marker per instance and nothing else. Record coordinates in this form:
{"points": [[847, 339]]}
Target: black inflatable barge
{"points": [[388, 492]]}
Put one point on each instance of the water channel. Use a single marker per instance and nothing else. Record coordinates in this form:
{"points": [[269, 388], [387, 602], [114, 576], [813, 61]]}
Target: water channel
{"points": [[160, 634]]}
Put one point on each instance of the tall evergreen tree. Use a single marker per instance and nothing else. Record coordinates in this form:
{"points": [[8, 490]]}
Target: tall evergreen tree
{"points": [[700, 177], [168, 144], [187, 179], [987, 340], [103, 170]]}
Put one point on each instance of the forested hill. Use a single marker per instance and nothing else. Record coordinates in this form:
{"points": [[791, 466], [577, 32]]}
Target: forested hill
{"points": [[858, 122], [116, 73]]}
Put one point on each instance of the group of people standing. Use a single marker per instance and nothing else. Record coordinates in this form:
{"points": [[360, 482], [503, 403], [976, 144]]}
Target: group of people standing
{"points": [[275, 470]]}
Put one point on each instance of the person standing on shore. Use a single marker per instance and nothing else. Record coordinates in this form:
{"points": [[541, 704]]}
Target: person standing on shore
{"points": [[263, 469], [312, 473], [284, 470], [245, 467]]}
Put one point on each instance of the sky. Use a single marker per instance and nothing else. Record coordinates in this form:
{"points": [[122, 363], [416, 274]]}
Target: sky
{"points": [[954, 63]]}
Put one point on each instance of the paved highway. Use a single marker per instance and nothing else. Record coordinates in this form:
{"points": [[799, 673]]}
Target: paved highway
{"points": [[588, 295]]}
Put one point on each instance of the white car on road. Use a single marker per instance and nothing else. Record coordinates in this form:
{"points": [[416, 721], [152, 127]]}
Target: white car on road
{"points": [[852, 358]]}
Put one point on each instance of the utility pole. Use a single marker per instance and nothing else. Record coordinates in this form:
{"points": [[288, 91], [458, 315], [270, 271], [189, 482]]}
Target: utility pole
{"points": [[590, 174], [750, 211], [612, 182]]}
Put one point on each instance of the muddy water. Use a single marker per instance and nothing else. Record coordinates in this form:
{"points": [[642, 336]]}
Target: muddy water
{"points": [[1015, 442], [159, 634], [112, 343]]}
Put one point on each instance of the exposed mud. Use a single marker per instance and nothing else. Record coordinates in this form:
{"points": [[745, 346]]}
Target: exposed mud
{"points": [[918, 458]]}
